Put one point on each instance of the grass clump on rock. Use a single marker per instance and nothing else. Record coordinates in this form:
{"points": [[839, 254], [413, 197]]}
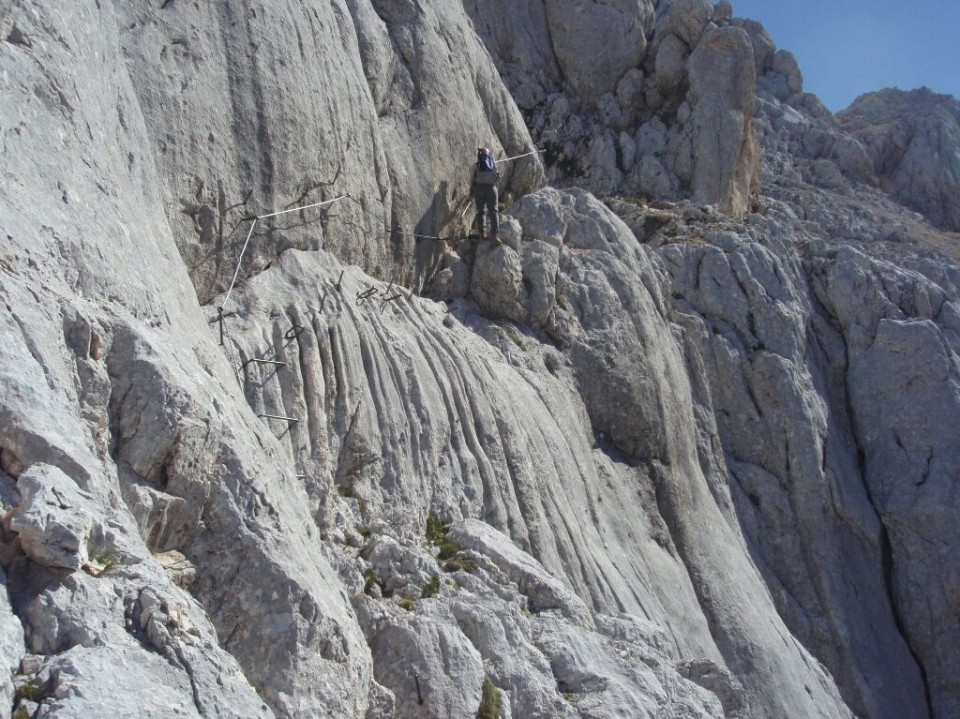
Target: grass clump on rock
{"points": [[437, 536], [457, 564], [370, 575], [490, 700], [433, 587]]}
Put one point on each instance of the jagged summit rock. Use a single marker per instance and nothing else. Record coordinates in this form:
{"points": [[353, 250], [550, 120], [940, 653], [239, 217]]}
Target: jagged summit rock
{"points": [[912, 139]]}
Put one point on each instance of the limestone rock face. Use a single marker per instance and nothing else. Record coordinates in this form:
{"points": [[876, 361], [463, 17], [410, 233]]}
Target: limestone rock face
{"points": [[592, 118], [904, 394], [54, 521], [649, 457], [577, 29], [239, 104], [109, 376], [543, 592], [543, 47], [912, 139]]}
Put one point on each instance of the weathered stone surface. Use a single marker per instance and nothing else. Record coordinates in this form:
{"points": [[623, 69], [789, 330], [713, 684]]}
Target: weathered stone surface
{"points": [[542, 591], [582, 143], [686, 20], [418, 659], [727, 159], [912, 138], [763, 46], [752, 343], [112, 625], [11, 644], [904, 398], [671, 64], [591, 672], [577, 29], [75, 683], [55, 520], [71, 404], [703, 460]]}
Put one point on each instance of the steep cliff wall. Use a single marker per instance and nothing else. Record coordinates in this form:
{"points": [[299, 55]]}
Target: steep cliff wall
{"points": [[647, 460], [256, 107]]}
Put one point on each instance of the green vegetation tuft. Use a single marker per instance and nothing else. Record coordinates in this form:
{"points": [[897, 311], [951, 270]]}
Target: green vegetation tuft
{"points": [[101, 564], [437, 536], [433, 587], [435, 531], [370, 574], [31, 691], [490, 700], [514, 336], [457, 564], [447, 550], [407, 604]]}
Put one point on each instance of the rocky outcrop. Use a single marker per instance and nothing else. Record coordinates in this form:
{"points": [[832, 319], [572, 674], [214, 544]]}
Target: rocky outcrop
{"points": [[11, 646], [912, 139], [620, 27], [645, 122], [902, 349], [726, 156]]}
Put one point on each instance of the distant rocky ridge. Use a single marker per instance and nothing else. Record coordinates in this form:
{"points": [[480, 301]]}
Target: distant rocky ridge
{"points": [[912, 139], [686, 450]]}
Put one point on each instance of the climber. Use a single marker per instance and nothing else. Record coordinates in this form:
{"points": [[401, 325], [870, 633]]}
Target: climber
{"points": [[483, 191]]}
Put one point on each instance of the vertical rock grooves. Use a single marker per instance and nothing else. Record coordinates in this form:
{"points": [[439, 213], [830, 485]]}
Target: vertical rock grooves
{"points": [[422, 416]]}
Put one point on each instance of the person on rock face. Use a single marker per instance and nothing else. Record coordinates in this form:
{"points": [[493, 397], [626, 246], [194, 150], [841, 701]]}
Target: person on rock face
{"points": [[483, 191]]}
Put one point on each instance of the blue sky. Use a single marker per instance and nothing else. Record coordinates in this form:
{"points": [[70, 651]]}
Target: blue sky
{"points": [[848, 47]]}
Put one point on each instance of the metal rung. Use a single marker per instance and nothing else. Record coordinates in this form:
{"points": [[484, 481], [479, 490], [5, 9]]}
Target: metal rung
{"points": [[279, 416], [366, 294], [263, 361], [294, 332]]}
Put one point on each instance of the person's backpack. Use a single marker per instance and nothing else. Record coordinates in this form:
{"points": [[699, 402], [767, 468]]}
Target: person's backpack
{"points": [[486, 173]]}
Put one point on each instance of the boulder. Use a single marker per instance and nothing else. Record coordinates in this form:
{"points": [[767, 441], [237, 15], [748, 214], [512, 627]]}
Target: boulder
{"points": [[55, 520], [687, 19], [671, 64], [431, 668]]}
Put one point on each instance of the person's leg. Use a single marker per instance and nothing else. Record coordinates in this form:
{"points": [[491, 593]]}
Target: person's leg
{"points": [[494, 220], [478, 201]]}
